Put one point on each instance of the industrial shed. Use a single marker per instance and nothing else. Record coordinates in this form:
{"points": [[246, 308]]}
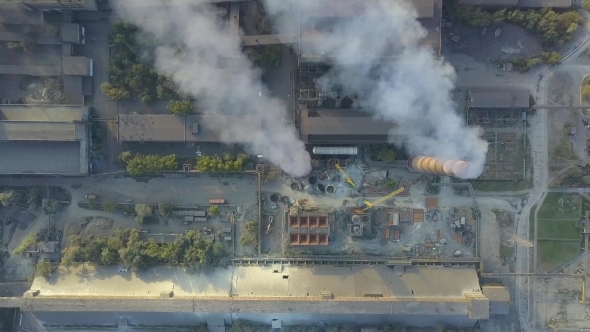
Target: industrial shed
{"points": [[517, 3], [44, 139], [342, 126]]}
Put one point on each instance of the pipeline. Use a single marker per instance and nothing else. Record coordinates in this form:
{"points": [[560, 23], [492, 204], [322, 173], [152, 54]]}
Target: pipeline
{"points": [[438, 166]]}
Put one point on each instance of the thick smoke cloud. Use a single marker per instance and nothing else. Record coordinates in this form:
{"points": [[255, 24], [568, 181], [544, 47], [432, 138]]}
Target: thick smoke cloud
{"points": [[192, 38], [412, 89]]}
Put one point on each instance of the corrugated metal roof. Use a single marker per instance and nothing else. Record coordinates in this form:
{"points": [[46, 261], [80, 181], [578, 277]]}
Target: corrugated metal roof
{"points": [[48, 113], [342, 122], [37, 131], [352, 8]]}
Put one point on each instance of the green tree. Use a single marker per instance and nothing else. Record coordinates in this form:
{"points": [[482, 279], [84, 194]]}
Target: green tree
{"points": [[586, 4], [268, 55], [7, 197], [248, 240], [114, 92], [109, 206], [142, 211], [552, 58], [214, 210], [52, 206], [386, 155], [586, 179], [251, 226], [576, 172], [109, 257], [27, 243], [165, 209], [34, 197], [473, 16], [586, 91], [45, 269], [391, 184], [126, 156], [181, 107]]}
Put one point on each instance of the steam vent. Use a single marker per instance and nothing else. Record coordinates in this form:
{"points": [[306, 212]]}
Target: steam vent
{"points": [[438, 166]]}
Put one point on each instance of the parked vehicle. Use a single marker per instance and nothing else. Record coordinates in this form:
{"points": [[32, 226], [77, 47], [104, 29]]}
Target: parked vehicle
{"points": [[217, 201], [91, 197]]}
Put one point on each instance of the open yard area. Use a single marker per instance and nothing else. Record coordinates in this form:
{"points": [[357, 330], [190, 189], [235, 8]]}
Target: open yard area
{"points": [[558, 233], [504, 131]]}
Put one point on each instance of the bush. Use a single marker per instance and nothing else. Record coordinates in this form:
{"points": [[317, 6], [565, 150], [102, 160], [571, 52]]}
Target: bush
{"points": [[181, 107], [109, 206], [7, 197], [552, 58], [586, 91], [34, 197], [586, 4], [26, 243], [251, 226], [45, 268], [52, 207], [17, 47]]}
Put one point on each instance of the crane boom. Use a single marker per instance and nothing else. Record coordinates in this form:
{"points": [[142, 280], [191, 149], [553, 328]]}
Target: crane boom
{"points": [[346, 177], [369, 205]]}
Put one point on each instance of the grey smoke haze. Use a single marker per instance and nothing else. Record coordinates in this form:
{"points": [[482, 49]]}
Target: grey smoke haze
{"points": [[258, 122], [413, 90]]}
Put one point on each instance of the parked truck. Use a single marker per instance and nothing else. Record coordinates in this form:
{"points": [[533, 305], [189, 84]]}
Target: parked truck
{"points": [[217, 201]]}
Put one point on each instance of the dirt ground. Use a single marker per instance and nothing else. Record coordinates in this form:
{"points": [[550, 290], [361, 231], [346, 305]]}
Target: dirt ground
{"points": [[557, 301], [561, 89], [513, 41]]}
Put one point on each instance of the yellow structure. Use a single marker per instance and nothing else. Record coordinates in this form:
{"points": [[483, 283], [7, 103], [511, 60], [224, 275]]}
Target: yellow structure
{"points": [[346, 177], [369, 205]]}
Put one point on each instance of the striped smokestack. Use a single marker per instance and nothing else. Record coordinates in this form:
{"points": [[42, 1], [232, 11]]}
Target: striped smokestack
{"points": [[433, 165]]}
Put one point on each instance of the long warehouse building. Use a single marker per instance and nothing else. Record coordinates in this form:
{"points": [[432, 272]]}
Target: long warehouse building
{"points": [[419, 296]]}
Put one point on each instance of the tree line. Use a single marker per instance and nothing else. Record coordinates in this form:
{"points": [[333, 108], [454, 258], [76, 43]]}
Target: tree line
{"points": [[137, 164], [226, 163], [125, 246], [551, 27]]}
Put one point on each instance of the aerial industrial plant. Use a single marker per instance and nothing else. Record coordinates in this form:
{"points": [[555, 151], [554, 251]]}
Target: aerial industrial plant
{"points": [[296, 165]]}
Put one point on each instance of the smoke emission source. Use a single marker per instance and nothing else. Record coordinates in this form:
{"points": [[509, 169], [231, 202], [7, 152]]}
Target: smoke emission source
{"points": [[409, 86], [195, 49]]}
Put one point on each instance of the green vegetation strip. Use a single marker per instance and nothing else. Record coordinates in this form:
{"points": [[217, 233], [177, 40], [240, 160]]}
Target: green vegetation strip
{"points": [[190, 250], [558, 229], [555, 253], [561, 206]]}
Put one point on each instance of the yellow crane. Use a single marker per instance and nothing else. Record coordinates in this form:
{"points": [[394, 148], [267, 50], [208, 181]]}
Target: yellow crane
{"points": [[346, 177], [369, 205]]}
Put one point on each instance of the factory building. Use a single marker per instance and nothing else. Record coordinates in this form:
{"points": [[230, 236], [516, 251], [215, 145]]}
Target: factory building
{"points": [[44, 139]]}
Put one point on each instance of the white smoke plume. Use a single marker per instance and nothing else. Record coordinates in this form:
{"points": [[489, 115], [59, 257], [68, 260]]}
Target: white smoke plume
{"points": [[257, 120], [413, 89]]}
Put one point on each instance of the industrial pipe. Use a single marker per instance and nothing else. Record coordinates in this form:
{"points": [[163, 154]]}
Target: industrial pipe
{"points": [[438, 166]]}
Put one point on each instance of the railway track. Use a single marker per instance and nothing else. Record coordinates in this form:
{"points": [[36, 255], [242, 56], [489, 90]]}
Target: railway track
{"points": [[354, 261]]}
